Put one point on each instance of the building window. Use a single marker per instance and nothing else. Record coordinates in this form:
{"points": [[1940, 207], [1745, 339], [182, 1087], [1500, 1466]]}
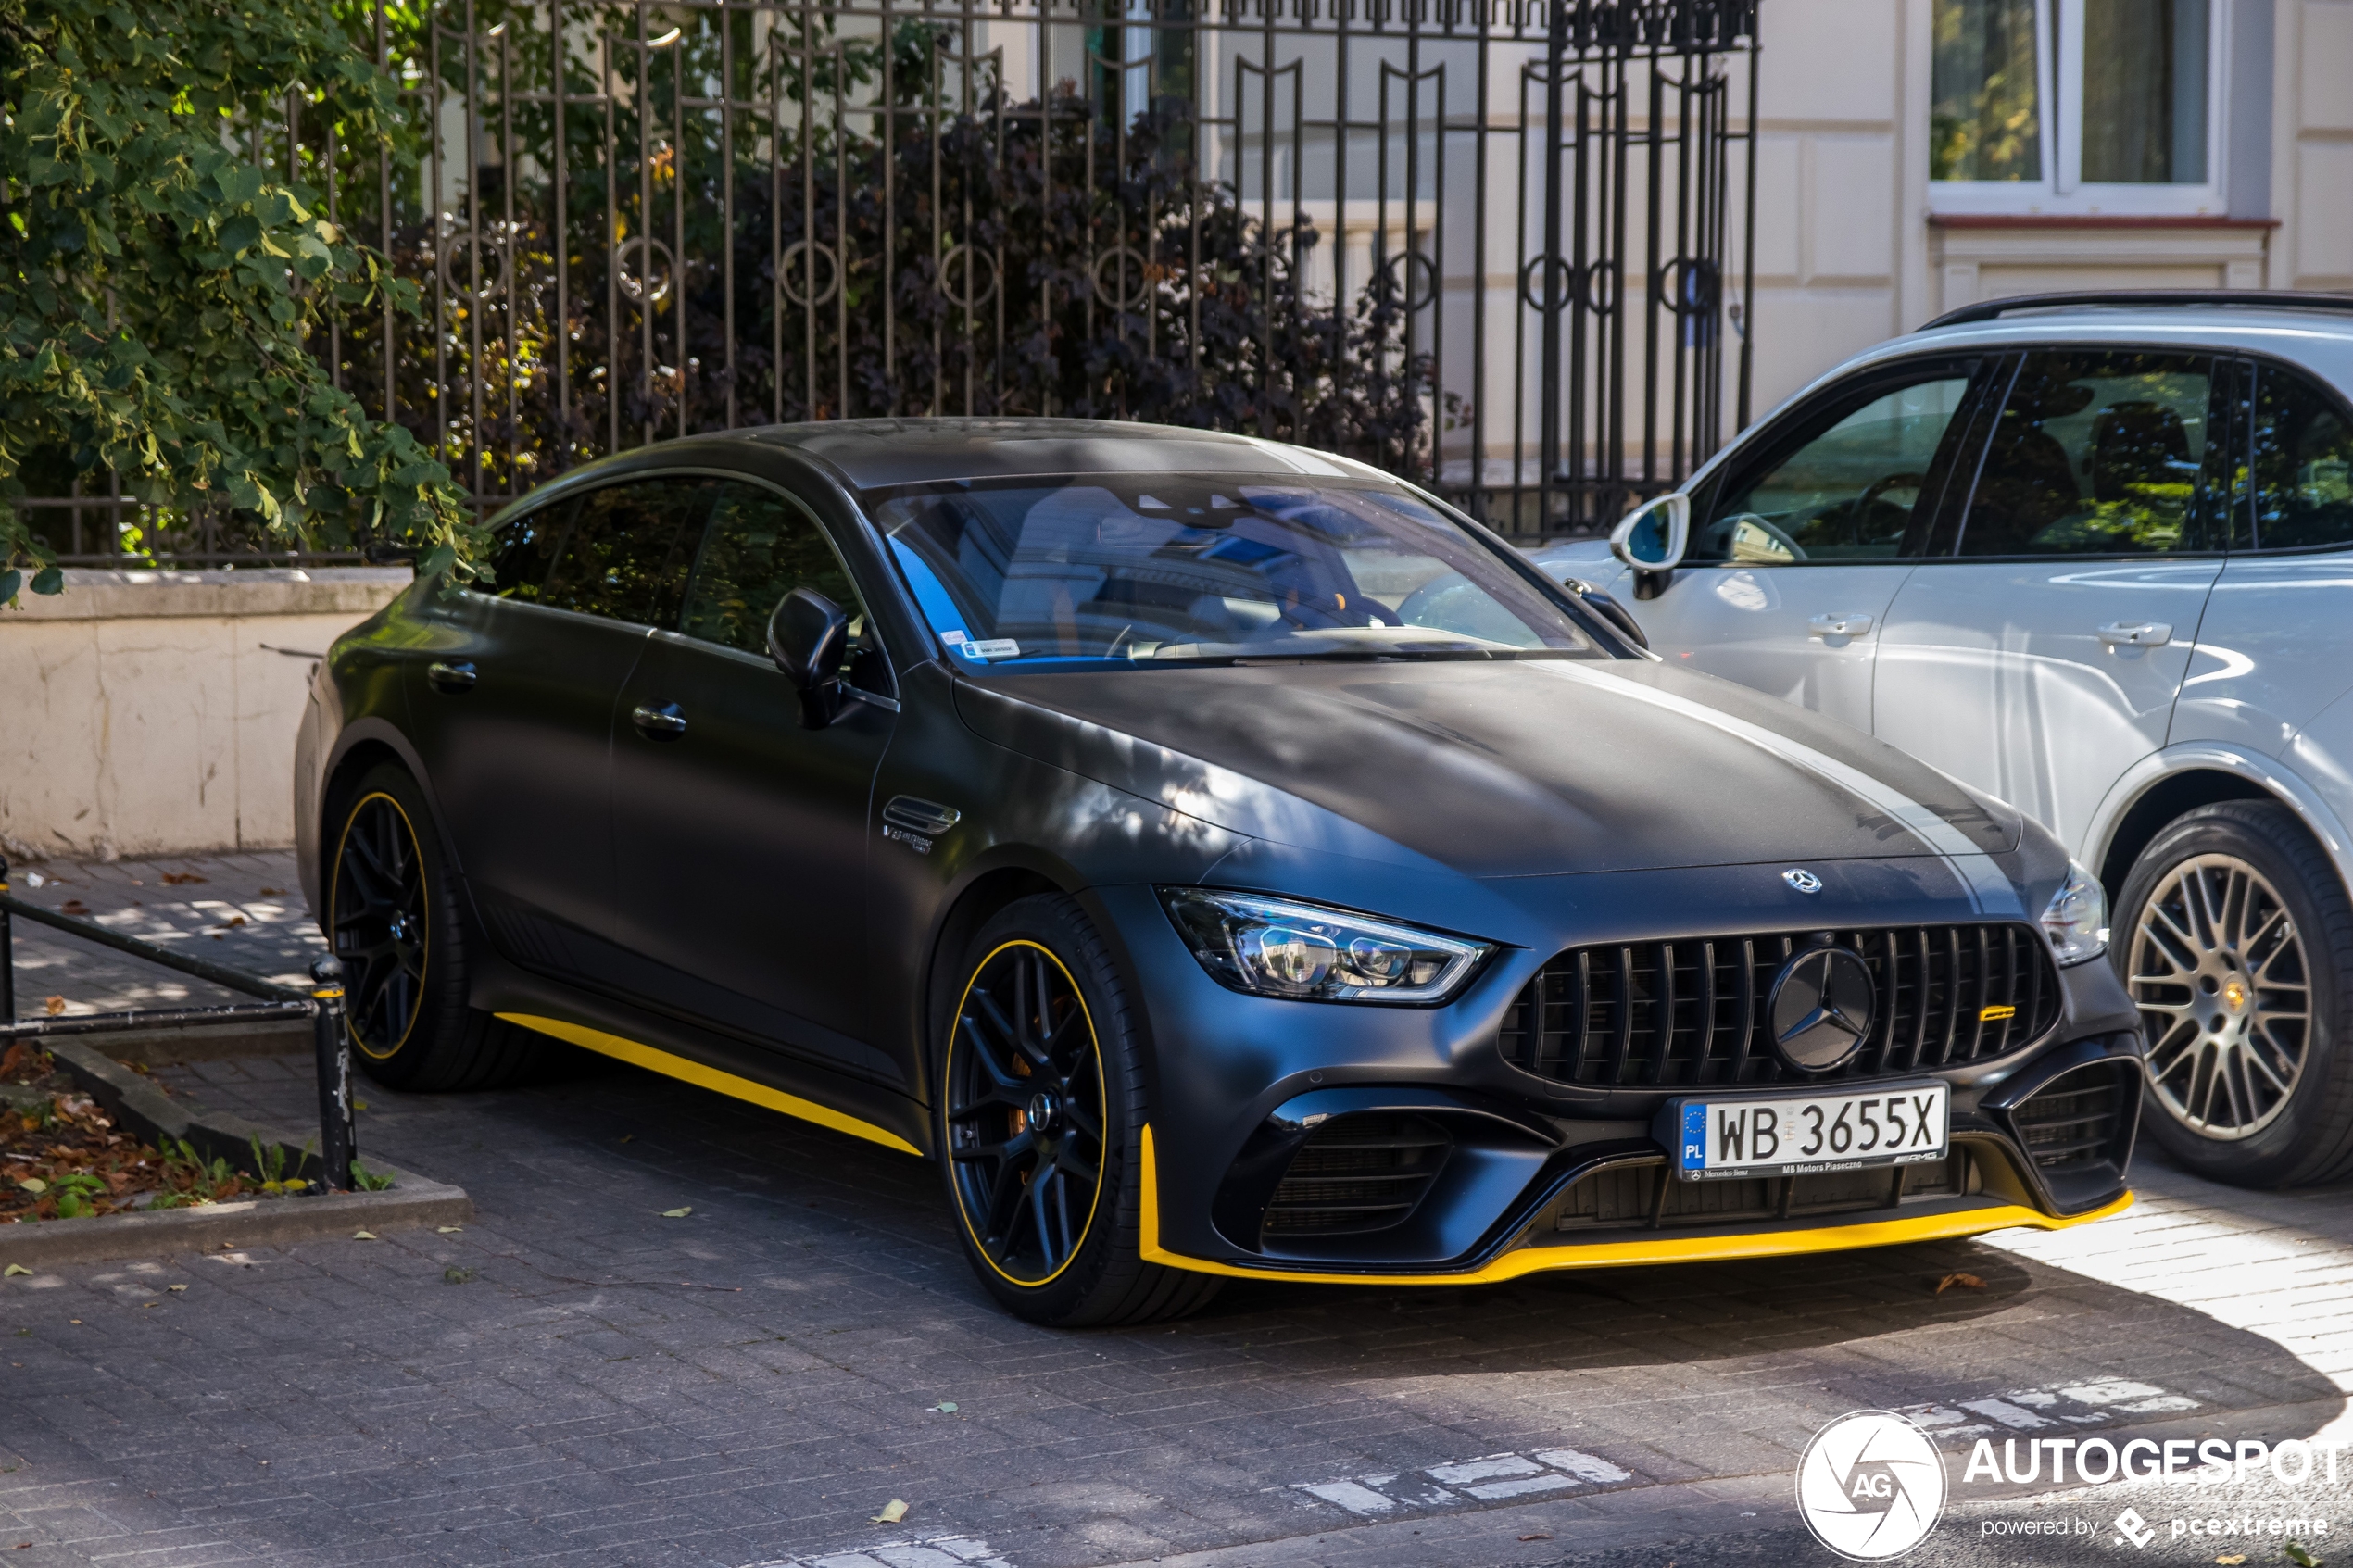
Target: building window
{"points": [[2075, 107]]}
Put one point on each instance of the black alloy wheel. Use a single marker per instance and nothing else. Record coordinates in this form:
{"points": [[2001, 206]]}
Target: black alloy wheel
{"points": [[1040, 1120], [2234, 936], [393, 916], [378, 923], [1026, 1113]]}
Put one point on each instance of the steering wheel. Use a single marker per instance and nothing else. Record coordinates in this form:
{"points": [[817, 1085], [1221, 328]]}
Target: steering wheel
{"points": [[1862, 507]]}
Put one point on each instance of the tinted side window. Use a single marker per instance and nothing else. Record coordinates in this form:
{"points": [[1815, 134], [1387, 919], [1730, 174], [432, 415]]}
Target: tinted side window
{"points": [[523, 551], [1849, 489], [627, 554], [758, 548], [2300, 464], [2096, 453]]}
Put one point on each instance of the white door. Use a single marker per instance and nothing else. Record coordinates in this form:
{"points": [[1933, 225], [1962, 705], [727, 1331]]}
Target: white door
{"points": [[2041, 658], [1804, 539], [2266, 661]]}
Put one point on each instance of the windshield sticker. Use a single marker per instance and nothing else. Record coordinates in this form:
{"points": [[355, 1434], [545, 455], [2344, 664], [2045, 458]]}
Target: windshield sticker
{"points": [[953, 639], [994, 647]]}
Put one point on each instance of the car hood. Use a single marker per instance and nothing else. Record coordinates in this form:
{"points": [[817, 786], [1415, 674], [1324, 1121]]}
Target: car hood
{"points": [[1523, 768]]}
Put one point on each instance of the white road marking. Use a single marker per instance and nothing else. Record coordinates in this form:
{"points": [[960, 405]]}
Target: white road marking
{"points": [[2031, 1409], [1489, 1478], [935, 1551]]}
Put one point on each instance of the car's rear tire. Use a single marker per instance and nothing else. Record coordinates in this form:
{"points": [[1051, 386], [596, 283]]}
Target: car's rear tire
{"points": [[394, 917], [2236, 938], [1041, 1114]]}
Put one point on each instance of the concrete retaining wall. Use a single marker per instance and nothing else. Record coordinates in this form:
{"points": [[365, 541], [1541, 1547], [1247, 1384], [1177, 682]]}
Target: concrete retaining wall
{"points": [[154, 712]]}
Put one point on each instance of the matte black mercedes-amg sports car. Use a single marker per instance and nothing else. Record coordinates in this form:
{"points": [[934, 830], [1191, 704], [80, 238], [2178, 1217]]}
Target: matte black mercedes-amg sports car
{"points": [[1222, 859]]}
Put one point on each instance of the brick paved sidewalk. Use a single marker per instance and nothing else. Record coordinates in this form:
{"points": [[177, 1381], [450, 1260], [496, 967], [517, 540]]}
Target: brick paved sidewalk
{"points": [[575, 1378], [243, 910]]}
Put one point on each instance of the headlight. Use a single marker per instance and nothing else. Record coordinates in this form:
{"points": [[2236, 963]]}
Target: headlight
{"points": [[1278, 947], [2076, 920]]}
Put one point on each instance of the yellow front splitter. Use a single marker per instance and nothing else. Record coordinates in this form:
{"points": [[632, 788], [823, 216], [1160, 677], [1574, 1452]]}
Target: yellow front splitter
{"points": [[1620, 1254]]}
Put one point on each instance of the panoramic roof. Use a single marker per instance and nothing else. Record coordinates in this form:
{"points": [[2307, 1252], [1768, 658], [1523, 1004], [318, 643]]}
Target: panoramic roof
{"points": [[875, 453]]}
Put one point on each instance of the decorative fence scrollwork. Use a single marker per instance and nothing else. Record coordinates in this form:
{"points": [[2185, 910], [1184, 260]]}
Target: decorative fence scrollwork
{"points": [[1487, 244]]}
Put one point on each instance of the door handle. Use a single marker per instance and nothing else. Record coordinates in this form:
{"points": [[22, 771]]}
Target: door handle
{"points": [[1838, 624], [659, 720], [2137, 634], [452, 678]]}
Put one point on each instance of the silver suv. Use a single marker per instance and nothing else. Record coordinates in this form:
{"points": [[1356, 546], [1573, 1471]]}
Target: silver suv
{"points": [[2092, 555]]}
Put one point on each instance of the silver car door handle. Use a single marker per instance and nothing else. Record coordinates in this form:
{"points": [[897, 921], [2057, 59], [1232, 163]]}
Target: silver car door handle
{"points": [[2137, 634], [659, 720], [1838, 624]]}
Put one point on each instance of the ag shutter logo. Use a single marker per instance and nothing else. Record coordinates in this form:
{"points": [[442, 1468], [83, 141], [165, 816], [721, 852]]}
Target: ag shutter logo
{"points": [[1870, 1485]]}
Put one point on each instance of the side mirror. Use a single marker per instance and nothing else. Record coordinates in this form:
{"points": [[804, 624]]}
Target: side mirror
{"points": [[1609, 609], [807, 637], [1653, 535]]}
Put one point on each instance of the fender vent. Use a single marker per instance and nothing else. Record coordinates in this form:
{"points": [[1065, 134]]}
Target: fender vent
{"points": [[1357, 1174]]}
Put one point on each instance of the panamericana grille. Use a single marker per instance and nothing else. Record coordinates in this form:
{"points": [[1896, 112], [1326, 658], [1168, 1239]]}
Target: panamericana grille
{"points": [[1672, 1014], [1354, 1173], [2070, 1127]]}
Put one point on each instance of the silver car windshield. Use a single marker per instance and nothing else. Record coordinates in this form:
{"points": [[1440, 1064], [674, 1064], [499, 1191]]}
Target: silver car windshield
{"points": [[1103, 572]]}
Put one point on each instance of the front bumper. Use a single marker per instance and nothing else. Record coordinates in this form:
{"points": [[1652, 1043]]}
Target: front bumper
{"points": [[1971, 1217], [1520, 1176], [2045, 1149]]}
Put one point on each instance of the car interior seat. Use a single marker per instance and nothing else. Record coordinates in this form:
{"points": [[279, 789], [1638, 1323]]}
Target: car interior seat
{"points": [[2028, 481]]}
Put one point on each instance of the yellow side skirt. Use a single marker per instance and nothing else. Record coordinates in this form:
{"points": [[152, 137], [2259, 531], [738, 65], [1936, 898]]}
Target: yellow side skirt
{"points": [[703, 1077], [1688, 1249]]}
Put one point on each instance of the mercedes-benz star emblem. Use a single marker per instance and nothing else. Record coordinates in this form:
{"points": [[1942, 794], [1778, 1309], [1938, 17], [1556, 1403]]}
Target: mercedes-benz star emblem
{"points": [[1822, 1006], [1802, 879]]}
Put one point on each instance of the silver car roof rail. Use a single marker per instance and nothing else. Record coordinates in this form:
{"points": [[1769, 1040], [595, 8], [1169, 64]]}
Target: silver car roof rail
{"points": [[2126, 299]]}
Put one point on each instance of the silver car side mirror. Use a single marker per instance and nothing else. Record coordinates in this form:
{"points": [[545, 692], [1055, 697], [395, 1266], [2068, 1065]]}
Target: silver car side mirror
{"points": [[1653, 535]]}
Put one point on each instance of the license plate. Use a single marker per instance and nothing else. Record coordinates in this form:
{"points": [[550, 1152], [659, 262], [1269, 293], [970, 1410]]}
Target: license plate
{"points": [[1800, 1134]]}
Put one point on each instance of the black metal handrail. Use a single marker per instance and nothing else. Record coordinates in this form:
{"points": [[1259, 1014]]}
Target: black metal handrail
{"points": [[322, 1004]]}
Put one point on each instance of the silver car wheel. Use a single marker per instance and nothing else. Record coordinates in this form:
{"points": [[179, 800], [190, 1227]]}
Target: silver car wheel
{"points": [[2218, 973]]}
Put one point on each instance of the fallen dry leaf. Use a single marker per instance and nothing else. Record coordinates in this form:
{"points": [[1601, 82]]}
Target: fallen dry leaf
{"points": [[363, 1235], [73, 907], [1540, 1536], [180, 879], [13, 1270], [2231, 1558], [677, 1213], [1967, 1282], [236, 920], [55, 1005], [451, 1230], [273, 893], [893, 1512], [175, 1287]]}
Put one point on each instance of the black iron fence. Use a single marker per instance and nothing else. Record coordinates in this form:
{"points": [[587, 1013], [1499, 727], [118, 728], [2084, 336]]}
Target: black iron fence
{"points": [[1483, 244]]}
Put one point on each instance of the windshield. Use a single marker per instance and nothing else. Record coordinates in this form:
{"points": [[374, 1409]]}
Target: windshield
{"points": [[1104, 572]]}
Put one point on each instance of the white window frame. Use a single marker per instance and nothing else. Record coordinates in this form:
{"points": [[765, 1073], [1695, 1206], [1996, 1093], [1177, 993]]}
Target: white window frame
{"points": [[2061, 191]]}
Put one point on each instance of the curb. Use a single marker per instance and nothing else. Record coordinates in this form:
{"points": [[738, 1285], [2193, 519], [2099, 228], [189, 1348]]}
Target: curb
{"points": [[211, 1042], [138, 1106], [270, 1222]]}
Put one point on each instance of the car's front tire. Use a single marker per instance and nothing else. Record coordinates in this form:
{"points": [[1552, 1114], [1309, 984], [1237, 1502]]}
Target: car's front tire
{"points": [[394, 918], [1040, 1110], [2236, 938]]}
